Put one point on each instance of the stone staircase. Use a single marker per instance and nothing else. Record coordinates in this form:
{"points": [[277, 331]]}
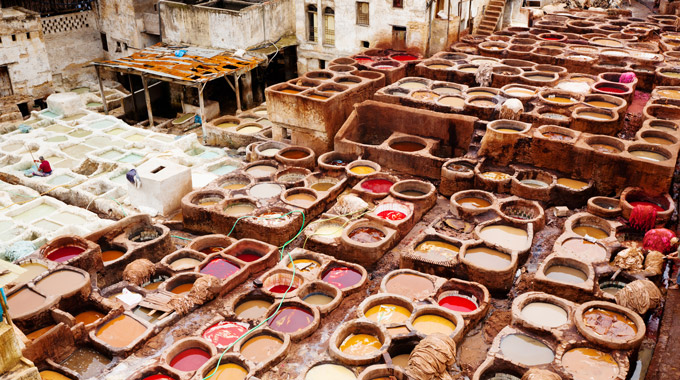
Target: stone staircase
{"points": [[492, 13]]}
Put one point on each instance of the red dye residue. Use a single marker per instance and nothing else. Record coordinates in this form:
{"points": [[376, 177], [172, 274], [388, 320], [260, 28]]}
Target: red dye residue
{"points": [[281, 288], [657, 207], [613, 90], [377, 185], [342, 277], [392, 215], [65, 253], [190, 359], [220, 268], [224, 333], [158, 377], [248, 256], [404, 57], [457, 303], [366, 235], [551, 38], [363, 60], [291, 319]]}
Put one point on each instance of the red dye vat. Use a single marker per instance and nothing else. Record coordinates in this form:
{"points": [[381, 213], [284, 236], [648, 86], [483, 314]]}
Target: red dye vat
{"points": [[158, 377], [224, 333], [248, 256], [337, 162], [190, 359], [392, 215], [220, 268], [342, 277], [291, 319], [613, 90], [281, 288], [551, 38], [458, 303], [404, 57], [65, 253], [657, 207], [377, 185], [214, 249], [363, 60]]}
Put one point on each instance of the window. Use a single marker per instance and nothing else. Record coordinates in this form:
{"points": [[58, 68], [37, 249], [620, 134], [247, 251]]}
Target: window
{"points": [[105, 44], [365, 44], [28, 35], [14, 37], [399, 37], [362, 13], [322, 64], [312, 24], [328, 26], [397, 3]]}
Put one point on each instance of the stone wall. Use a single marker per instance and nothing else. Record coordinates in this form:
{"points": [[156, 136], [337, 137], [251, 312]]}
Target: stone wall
{"points": [[122, 22], [207, 25]]}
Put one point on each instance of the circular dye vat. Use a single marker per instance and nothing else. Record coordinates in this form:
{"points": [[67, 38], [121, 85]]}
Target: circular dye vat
{"points": [[60, 282], [212, 249], [519, 91], [318, 299], [301, 199], [556, 137], [261, 348], [291, 319], [554, 116], [612, 287], [488, 258], [401, 360], [595, 232], [657, 207], [330, 372], [605, 148], [360, 344], [568, 275], [412, 85], [322, 186], [88, 316], [329, 230], [62, 254], [506, 236], [33, 270], [249, 129], [392, 215], [439, 66], [184, 263], [261, 170], [544, 314], [536, 184], [377, 186], [601, 104], [427, 96], [526, 350], [440, 249], [431, 324], [452, 101], [496, 176], [473, 202], [38, 333], [265, 190], [248, 255], [404, 57], [610, 89], [388, 314], [120, 331], [648, 155], [560, 99], [341, 277], [229, 371], [219, 268], [407, 146], [458, 302], [253, 309], [234, 185], [282, 288], [366, 235], [412, 193], [362, 169], [239, 209], [501, 376], [657, 140], [460, 168], [609, 324], [589, 363], [209, 201], [182, 289], [224, 333], [52, 375], [291, 177], [586, 248], [410, 285], [294, 154], [304, 265], [595, 115], [190, 359], [111, 254], [572, 183]]}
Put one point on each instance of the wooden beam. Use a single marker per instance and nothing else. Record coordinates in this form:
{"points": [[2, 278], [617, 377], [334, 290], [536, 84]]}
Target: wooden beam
{"points": [[238, 94], [101, 91], [148, 101], [132, 90]]}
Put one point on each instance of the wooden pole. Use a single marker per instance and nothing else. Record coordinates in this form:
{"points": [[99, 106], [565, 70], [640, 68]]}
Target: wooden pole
{"points": [[101, 90], [148, 100], [132, 90], [238, 94], [201, 103], [5, 309]]}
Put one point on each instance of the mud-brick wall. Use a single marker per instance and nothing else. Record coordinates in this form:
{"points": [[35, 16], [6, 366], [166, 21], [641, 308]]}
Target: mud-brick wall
{"points": [[207, 26], [123, 21], [22, 50], [72, 40]]}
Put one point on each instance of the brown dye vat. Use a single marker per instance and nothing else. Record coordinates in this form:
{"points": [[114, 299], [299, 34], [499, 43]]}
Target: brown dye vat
{"points": [[182, 289], [589, 363], [60, 282], [38, 333], [566, 274], [473, 202], [427, 96], [407, 146], [410, 285], [366, 235], [261, 348], [88, 317], [120, 331], [86, 362], [294, 154], [605, 148], [556, 136], [609, 324], [488, 258], [24, 301], [585, 248]]}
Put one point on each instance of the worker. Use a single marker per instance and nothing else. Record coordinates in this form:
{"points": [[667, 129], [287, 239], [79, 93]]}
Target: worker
{"points": [[44, 169]]}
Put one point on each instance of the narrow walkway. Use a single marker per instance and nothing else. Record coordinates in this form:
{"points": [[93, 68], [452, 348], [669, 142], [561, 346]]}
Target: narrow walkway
{"points": [[665, 363]]}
